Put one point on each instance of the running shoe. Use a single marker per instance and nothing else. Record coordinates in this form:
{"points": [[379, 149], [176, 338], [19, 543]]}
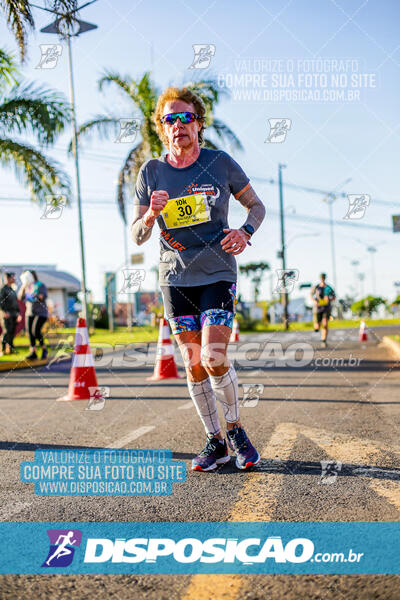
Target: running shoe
{"points": [[44, 353], [31, 356], [246, 455], [215, 453], [324, 343]]}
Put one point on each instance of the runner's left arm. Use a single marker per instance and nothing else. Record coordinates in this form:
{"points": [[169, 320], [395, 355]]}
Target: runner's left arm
{"points": [[255, 208]]}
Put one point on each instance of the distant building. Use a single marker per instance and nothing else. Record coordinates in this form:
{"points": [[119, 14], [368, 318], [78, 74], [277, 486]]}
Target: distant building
{"points": [[62, 288], [297, 309]]}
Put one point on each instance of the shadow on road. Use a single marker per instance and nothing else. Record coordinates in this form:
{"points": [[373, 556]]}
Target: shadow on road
{"points": [[299, 467], [284, 467]]}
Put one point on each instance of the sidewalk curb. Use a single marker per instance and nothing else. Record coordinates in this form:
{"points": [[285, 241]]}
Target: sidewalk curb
{"points": [[13, 365], [392, 345]]}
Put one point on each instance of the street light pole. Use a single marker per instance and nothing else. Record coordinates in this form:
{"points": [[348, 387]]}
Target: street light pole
{"points": [[333, 254], [78, 183], [372, 250], [67, 25], [129, 308], [330, 199], [283, 248]]}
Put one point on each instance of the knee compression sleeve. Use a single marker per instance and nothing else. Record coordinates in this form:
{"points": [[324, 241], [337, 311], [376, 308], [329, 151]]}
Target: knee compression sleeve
{"points": [[205, 402], [227, 392]]}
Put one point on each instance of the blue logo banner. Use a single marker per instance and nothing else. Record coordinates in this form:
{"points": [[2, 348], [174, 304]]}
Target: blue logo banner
{"points": [[189, 548]]}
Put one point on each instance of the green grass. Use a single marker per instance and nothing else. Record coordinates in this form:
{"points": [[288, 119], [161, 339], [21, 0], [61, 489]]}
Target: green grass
{"points": [[121, 335], [150, 334], [101, 336], [335, 324]]}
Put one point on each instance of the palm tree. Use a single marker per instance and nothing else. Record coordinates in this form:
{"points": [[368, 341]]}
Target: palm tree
{"points": [[39, 113], [20, 19], [8, 69], [142, 95]]}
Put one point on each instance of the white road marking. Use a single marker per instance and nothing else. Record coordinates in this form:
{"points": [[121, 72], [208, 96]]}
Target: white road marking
{"points": [[133, 435]]}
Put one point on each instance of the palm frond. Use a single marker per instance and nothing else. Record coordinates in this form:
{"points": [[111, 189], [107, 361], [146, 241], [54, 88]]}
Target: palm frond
{"points": [[40, 174], [19, 18], [146, 95], [225, 134], [37, 111], [209, 144], [8, 70], [61, 6], [208, 90], [102, 125], [211, 94], [126, 84]]}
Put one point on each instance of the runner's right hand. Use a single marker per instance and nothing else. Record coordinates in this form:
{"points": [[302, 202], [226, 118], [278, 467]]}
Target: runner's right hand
{"points": [[158, 200]]}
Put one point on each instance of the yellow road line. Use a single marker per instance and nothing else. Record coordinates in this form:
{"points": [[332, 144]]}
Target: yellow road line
{"points": [[255, 503], [220, 587], [259, 495], [257, 498], [390, 490], [345, 447]]}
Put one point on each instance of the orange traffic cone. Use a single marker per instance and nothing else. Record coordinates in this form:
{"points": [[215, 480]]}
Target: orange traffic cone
{"points": [[235, 332], [83, 374], [363, 332], [165, 367]]}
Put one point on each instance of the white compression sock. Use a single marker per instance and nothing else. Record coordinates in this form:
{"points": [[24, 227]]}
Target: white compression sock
{"points": [[205, 402], [227, 392]]}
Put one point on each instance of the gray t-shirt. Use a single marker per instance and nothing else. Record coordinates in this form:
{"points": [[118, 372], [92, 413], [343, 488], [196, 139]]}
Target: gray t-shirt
{"points": [[192, 254]]}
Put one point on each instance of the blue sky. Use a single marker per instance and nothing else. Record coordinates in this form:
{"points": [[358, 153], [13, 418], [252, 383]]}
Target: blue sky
{"points": [[328, 142]]}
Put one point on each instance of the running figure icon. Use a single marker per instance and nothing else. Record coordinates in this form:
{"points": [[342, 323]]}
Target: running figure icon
{"points": [[62, 549]]}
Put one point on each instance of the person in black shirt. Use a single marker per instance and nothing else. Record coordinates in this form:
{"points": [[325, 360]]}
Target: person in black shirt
{"points": [[34, 295], [322, 296], [9, 314]]}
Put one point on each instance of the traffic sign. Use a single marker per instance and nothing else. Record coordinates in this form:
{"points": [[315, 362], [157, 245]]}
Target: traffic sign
{"points": [[396, 223], [137, 259]]}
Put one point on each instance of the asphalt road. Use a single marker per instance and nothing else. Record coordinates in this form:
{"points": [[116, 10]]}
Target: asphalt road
{"points": [[340, 403]]}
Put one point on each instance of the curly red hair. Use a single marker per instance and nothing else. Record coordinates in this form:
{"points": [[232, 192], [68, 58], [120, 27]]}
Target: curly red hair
{"points": [[186, 95]]}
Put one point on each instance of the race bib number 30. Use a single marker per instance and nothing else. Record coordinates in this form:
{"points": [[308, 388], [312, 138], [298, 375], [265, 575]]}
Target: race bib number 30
{"points": [[186, 211]]}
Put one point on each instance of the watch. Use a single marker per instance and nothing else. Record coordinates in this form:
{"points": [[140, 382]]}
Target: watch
{"points": [[249, 229]]}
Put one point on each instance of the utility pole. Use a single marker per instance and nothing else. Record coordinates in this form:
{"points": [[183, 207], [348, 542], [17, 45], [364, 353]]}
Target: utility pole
{"points": [[330, 202], [372, 250], [282, 253], [78, 182], [129, 308], [67, 25], [110, 301], [330, 199]]}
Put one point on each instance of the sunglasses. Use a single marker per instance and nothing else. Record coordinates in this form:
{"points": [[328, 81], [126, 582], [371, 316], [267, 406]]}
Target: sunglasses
{"points": [[185, 117]]}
